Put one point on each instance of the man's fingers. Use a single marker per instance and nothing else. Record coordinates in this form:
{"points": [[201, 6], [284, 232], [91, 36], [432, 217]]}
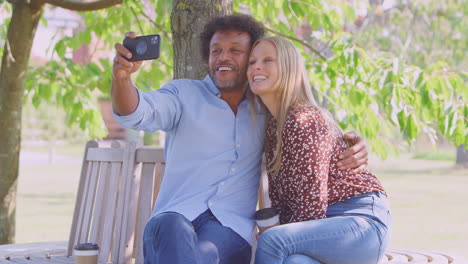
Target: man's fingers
{"points": [[355, 163], [350, 135], [350, 152], [356, 156], [119, 59], [357, 147], [130, 34], [122, 50], [137, 63], [358, 169]]}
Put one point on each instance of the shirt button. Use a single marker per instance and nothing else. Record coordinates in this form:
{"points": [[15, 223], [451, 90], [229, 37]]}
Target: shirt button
{"points": [[222, 183], [210, 203], [233, 169], [238, 145]]}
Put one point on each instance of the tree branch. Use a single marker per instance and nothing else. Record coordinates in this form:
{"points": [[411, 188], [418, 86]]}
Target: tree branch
{"points": [[138, 20], [86, 5], [163, 30], [298, 40]]}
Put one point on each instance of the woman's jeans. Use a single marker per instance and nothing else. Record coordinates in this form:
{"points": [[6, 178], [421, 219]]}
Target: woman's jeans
{"points": [[171, 238], [355, 231]]}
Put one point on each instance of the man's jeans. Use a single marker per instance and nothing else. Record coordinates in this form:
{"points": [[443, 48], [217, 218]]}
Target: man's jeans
{"points": [[171, 238], [355, 231]]}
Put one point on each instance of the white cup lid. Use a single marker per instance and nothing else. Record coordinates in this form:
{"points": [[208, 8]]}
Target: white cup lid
{"points": [[85, 252], [268, 222]]}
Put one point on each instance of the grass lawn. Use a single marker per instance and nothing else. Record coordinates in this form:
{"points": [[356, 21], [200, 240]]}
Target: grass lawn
{"points": [[428, 199]]}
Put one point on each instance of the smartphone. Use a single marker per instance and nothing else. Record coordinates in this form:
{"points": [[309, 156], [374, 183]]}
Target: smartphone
{"points": [[143, 47]]}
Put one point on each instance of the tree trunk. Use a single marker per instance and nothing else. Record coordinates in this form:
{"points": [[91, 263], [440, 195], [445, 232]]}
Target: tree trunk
{"points": [[15, 58], [462, 156], [188, 19]]}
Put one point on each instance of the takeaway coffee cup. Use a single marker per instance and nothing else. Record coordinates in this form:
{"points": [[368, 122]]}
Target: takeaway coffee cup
{"points": [[266, 218], [86, 253]]}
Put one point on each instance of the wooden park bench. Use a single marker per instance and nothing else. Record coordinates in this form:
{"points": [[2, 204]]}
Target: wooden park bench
{"points": [[117, 190]]}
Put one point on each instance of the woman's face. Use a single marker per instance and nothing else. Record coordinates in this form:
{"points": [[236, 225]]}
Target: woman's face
{"points": [[262, 72]]}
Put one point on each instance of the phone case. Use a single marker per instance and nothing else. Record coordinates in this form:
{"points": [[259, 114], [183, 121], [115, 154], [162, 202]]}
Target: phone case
{"points": [[143, 47]]}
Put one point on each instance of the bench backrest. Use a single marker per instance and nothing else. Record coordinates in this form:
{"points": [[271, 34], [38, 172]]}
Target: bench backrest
{"points": [[117, 190]]}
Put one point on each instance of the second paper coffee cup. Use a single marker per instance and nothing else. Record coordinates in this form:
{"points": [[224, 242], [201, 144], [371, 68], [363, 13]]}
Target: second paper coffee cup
{"points": [[266, 218], [86, 253]]}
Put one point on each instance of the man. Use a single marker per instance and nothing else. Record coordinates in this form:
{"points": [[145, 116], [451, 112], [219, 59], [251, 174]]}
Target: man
{"points": [[214, 146]]}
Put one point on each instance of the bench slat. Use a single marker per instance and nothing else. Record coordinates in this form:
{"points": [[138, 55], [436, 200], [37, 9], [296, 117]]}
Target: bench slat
{"points": [[144, 206], [132, 214], [118, 255], [89, 202], [106, 154], [101, 198], [79, 196], [109, 215], [150, 155]]}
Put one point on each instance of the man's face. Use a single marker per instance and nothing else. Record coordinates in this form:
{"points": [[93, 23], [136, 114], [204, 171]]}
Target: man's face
{"points": [[229, 54]]}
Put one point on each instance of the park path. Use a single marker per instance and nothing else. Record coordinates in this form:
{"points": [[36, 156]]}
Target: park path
{"points": [[37, 158]]}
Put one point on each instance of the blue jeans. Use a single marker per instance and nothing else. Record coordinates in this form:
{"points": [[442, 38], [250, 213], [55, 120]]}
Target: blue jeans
{"points": [[171, 238], [355, 231]]}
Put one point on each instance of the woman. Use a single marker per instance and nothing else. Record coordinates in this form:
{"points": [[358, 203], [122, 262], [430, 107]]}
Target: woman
{"points": [[327, 215]]}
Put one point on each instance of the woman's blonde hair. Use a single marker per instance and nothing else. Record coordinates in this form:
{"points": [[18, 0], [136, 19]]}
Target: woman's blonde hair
{"points": [[293, 87]]}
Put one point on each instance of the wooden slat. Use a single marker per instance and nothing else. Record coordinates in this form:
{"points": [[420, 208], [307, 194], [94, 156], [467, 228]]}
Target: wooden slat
{"points": [[79, 196], [106, 154], [89, 202], [129, 209], [19, 261], [263, 198], [158, 176], [33, 249], [61, 259], [430, 256], [396, 257], [133, 215], [102, 193], [144, 206], [150, 155], [44, 260], [109, 214], [120, 221], [414, 257], [83, 206]]}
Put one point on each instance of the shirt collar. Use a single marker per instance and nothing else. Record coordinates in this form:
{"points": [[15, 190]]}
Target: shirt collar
{"points": [[211, 86], [214, 90]]}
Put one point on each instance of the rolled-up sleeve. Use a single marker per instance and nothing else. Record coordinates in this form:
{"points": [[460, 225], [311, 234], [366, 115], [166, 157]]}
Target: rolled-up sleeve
{"points": [[156, 110]]}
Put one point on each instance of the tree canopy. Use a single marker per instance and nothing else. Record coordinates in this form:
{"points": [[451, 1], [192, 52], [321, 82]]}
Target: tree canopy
{"points": [[371, 83]]}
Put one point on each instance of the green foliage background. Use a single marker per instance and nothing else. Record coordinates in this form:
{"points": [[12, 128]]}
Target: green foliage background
{"points": [[371, 78]]}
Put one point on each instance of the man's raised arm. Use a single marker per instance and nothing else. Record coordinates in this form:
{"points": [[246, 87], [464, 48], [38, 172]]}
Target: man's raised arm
{"points": [[123, 93]]}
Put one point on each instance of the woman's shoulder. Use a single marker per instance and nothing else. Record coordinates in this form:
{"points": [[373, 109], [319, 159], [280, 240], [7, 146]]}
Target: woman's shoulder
{"points": [[304, 115]]}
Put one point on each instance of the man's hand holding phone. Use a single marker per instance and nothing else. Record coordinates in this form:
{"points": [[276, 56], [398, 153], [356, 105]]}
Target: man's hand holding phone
{"points": [[122, 67]]}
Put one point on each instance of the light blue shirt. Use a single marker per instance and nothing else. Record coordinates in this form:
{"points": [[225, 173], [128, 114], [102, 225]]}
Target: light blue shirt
{"points": [[213, 156]]}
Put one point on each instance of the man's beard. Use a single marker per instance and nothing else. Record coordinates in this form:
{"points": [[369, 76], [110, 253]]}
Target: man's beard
{"points": [[227, 85]]}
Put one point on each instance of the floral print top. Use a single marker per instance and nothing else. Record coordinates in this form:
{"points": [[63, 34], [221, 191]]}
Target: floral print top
{"points": [[309, 179]]}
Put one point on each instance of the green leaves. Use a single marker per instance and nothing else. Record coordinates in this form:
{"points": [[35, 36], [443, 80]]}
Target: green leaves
{"points": [[366, 84]]}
